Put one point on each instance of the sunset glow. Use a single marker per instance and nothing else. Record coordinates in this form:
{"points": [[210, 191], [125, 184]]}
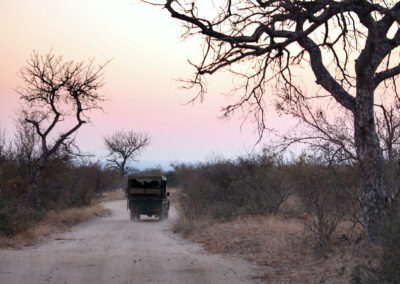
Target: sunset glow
{"points": [[147, 55]]}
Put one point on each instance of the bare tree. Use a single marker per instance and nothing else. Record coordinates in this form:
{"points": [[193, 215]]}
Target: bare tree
{"points": [[269, 40], [26, 146], [388, 128], [125, 146], [57, 97], [330, 135]]}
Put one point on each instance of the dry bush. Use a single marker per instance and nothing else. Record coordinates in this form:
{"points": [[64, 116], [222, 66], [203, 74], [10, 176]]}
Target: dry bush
{"points": [[15, 213], [293, 207], [303, 205], [320, 212], [16, 216], [225, 189], [324, 193], [64, 184], [321, 196]]}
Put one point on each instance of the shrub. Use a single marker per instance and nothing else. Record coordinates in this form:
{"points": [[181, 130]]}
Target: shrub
{"points": [[15, 216], [324, 192], [63, 184], [225, 189]]}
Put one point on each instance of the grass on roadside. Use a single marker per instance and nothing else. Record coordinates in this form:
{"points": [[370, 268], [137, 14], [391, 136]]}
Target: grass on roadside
{"points": [[54, 221], [277, 244], [113, 195]]}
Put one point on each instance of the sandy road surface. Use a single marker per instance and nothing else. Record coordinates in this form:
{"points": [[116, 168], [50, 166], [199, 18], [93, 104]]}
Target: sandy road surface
{"points": [[115, 250]]}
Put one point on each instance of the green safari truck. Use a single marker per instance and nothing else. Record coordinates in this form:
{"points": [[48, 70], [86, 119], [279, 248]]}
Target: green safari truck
{"points": [[147, 195]]}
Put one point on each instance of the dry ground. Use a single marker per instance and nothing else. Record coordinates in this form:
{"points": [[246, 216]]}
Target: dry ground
{"points": [[115, 250], [114, 195], [63, 219], [54, 222], [278, 244]]}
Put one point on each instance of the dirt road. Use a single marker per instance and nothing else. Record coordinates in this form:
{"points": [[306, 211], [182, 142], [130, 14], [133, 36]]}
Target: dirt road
{"points": [[115, 250]]}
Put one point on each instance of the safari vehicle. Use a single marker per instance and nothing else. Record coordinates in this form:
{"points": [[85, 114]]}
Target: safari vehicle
{"points": [[147, 195]]}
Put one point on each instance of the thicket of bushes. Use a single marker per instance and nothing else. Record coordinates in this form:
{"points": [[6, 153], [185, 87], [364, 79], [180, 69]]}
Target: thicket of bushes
{"points": [[64, 183], [329, 198], [226, 189]]}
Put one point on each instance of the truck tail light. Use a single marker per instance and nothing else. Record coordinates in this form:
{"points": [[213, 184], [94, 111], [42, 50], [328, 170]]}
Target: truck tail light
{"points": [[156, 209]]}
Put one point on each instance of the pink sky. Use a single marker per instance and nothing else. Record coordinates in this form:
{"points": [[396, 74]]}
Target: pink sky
{"points": [[147, 56]]}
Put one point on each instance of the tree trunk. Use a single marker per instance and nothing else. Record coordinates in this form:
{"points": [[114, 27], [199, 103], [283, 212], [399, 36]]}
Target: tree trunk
{"points": [[369, 152], [122, 167], [35, 190], [34, 183]]}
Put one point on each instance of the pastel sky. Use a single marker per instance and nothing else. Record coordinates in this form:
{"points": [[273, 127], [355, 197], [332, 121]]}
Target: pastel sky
{"points": [[148, 54]]}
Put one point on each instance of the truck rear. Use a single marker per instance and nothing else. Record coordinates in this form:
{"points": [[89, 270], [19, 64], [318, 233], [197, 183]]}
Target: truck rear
{"points": [[147, 195]]}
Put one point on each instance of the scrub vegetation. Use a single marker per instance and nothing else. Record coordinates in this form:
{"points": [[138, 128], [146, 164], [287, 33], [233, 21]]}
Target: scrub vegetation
{"points": [[348, 45], [347, 190], [66, 183], [45, 180], [299, 218]]}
